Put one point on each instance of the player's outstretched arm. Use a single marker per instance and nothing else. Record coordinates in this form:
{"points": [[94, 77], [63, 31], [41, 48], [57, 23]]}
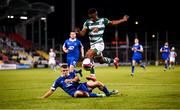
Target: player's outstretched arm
{"points": [[124, 19], [47, 94]]}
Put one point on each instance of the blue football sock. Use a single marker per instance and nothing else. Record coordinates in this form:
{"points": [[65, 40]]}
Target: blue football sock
{"points": [[105, 90], [78, 71], [132, 69], [142, 65], [166, 65], [93, 95]]}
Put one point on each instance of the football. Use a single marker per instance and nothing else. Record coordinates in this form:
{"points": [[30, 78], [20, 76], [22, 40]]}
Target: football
{"points": [[87, 64]]}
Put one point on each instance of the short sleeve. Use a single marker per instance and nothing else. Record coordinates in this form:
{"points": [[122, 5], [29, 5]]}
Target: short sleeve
{"points": [[141, 47], [81, 44], [161, 49], [65, 44], [106, 21], [54, 86], [85, 25]]}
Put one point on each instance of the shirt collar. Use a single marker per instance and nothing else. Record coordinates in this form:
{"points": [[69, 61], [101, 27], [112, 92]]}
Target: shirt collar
{"points": [[72, 39], [136, 44], [64, 75], [166, 46]]}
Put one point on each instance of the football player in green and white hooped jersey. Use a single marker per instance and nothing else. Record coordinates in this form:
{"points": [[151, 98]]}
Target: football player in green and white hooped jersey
{"points": [[95, 27]]}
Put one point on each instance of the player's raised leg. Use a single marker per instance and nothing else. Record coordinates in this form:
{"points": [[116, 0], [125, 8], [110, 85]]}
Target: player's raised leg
{"points": [[142, 65], [90, 54], [101, 87]]}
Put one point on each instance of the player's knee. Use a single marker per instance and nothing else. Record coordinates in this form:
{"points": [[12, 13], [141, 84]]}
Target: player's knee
{"points": [[98, 83], [71, 69], [90, 53], [133, 63], [81, 94]]}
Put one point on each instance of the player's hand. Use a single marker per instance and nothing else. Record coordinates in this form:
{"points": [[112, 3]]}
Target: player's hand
{"points": [[126, 17], [134, 49], [66, 51], [77, 29], [68, 81]]}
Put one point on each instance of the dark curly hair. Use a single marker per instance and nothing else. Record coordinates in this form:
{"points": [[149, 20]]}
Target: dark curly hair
{"points": [[92, 11]]}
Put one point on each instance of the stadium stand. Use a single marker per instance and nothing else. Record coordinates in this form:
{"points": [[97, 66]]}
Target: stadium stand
{"points": [[43, 54], [14, 49], [20, 40]]}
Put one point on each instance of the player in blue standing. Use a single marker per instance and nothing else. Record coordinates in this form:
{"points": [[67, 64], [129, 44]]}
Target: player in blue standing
{"points": [[165, 50], [70, 83], [73, 47], [137, 55]]}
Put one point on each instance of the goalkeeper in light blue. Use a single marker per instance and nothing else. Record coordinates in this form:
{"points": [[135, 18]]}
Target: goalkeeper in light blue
{"points": [[137, 55]]}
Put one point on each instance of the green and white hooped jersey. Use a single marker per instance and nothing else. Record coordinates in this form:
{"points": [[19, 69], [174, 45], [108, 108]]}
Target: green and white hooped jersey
{"points": [[100, 24]]}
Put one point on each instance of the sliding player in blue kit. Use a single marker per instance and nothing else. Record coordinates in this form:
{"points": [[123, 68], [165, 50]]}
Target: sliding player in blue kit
{"points": [[70, 83]]}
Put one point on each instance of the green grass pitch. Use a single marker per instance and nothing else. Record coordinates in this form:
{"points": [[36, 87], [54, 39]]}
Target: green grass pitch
{"points": [[148, 89]]}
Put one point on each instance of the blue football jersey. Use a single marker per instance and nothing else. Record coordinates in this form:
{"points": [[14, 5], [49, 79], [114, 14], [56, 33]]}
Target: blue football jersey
{"points": [[165, 53], [73, 47], [70, 87], [136, 54]]}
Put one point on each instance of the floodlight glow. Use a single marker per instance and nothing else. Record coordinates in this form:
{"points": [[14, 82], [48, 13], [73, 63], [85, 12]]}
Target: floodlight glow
{"points": [[153, 36], [43, 18], [23, 17], [10, 16], [136, 22]]}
